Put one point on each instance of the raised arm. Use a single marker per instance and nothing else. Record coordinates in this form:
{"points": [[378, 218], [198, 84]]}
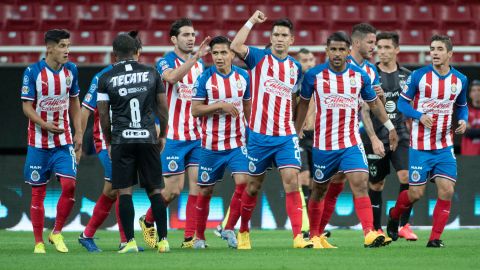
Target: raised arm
{"points": [[238, 43]]}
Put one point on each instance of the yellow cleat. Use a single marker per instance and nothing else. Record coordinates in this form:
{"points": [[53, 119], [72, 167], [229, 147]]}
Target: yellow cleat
{"points": [[243, 240], [149, 233], [39, 248], [299, 242], [317, 244], [373, 239], [131, 246], [163, 246], [57, 240], [188, 243], [387, 241], [325, 243]]}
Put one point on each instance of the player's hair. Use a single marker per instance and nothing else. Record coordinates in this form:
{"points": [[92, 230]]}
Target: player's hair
{"points": [[284, 22], [393, 36], [359, 31], [138, 41], [268, 46], [474, 83], [124, 46], [220, 40], [339, 36], [303, 51], [176, 25], [445, 39], [55, 35]]}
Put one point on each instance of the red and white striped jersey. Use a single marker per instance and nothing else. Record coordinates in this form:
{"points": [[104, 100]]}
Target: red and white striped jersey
{"points": [[368, 67], [273, 81], [181, 124], [337, 97], [50, 92], [434, 95], [221, 131]]}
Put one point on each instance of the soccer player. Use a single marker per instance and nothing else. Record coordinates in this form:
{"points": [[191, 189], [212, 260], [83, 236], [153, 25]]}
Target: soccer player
{"points": [[179, 70], [222, 99], [134, 93], [108, 196], [49, 99], [433, 90], [379, 155], [337, 87], [471, 139], [274, 80]]}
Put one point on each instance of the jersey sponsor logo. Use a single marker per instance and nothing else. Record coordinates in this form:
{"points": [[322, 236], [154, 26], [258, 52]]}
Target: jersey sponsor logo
{"points": [[163, 64], [68, 81], [185, 91], [25, 90], [35, 176], [319, 174], [135, 134], [437, 106], [251, 166], [390, 106], [88, 97], [129, 78], [205, 176], [278, 88], [125, 91], [26, 80], [415, 176], [53, 104], [340, 102], [172, 165], [237, 103]]}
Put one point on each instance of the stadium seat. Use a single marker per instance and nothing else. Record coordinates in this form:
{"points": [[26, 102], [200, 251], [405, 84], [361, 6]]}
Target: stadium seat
{"points": [[258, 37], [33, 38], [307, 16], [412, 37], [27, 58], [91, 17], [321, 57], [155, 38], [466, 58], [454, 34], [105, 38], [304, 37], [417, 16], [150, 58], [128, 17], [320, 36], [233, 16], [471, 37], [408, 58], [160, 16], [273, 12], [55, 16], [83, 38], [453, 15], [202, 15], [343, 15], [9, 38], [19, 17], [88, 58], [6, 58], [381, 16]]}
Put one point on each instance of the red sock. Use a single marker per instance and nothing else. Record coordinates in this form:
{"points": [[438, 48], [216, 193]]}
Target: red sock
{"points": [[293, 202], [202, 209], [65, 203], [100, 213], [334, 189], [37, 211], [123, 238], [403, 203], [190, 225], [246, 210], [315, 210], [440, 218], [149, 214], [235, 206], [363, 208]]}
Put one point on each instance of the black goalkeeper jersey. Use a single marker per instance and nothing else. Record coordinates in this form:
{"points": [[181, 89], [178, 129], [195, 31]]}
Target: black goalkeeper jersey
{"points": [[132, 90]]}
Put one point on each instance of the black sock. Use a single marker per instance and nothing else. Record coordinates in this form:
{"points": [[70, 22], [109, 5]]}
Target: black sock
{"points": [[306, 193], [160, 214], [406, 215], [127, 214], [376, 199]]}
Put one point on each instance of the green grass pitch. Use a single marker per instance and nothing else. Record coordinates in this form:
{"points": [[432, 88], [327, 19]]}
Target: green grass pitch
{"points": [[271, 250]]}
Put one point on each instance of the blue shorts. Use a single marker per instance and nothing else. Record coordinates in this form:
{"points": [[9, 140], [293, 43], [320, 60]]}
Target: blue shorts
{"points": [[283, 151], [41, 162], [327, 163], [107, 165], [213, 163], [178, 155], [424, 165]]}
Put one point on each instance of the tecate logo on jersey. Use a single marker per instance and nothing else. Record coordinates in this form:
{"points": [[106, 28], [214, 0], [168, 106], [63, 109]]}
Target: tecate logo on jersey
{"points": [[340, 102], [437, 106], [278, 88], [185, 91], [53, 104], [126, 79], [135, 134]]}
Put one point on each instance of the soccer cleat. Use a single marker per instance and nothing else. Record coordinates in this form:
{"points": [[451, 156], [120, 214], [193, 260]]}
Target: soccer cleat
{"points": [[188, 243], [299, 242], [163, 246], [373, 239], [88, 243], [244, 240], [317, 243], [392, 226], [199, 244], [436, 243], [327, 233], [57, 240], [39, 248], [229, 235], [218, 230], [149, 232], [306, 235], [131, 246], [325, 243], [387, 241], [140, 249], [407, 233]]}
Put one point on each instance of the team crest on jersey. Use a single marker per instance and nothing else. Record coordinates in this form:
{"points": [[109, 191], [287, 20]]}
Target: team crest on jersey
{"points": [[453, 88], [415, 176], [239, 84], [25, 89], [88, 97], [292, 73], [373, 170], [251, 167], [205, 176], [353, 81], [68, 81], [172, 165], [319, 174], [35, 176], [25, 80]]}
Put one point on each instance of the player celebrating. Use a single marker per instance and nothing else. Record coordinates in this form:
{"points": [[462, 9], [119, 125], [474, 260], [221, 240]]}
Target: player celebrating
{"points": [[337, 86], [274, 81], [179, 70], [134, 93], [434, 90], [50, 97], [222, 98]]}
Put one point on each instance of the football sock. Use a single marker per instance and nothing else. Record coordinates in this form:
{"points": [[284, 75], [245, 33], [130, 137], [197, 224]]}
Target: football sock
{"points": [[403, 203], [123, 238], [440, 218], [37, 211], [376, 200], [235, 206], [149, 218], [404, 219], [65, 203], [202, 209], [334, 189], [363, 208], [100, 213], [127, 214], [246, 211], [190, 225], [159, 211], [293, 203], [305, 223], [315, 210]]}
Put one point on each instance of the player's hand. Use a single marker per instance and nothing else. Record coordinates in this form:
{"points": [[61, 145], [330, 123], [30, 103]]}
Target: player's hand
{"points": [[377, 145], [426, 120], [393, 139], [53, 127], [379, 91], [258, 17], [300, 134], [229, 108], [161, 143], [203, 49], [462, 126], [78, 155]]}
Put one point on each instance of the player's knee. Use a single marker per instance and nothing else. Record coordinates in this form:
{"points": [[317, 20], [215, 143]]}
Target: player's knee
{"points": [[378, 186], [206, 191], [318, 191], [112, 194], [414, 194], [68, 187], [403, 176], [253, 187]]}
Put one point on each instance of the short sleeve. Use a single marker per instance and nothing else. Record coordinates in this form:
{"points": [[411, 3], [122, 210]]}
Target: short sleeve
{"points": [[199, 88], [298, 82], [102, 94], [248, 93], [90, 99], [74, 89], [306, 90], [28, 85], [410, 88], [462, 98], [254, 55], [367, 92], [165, 63]]}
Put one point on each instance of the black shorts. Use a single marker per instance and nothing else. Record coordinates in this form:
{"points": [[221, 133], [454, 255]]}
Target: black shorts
{"points": [[379, 167], [133, 161], [306, 144]]}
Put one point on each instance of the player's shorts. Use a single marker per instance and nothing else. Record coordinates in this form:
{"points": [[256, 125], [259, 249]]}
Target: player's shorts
{"points": [[41, 162], [131, 161], [429, 164], [379, 167], [213, 164], [107, 165], [283, 151], [178, 155], [306, 144], [327, 163]]}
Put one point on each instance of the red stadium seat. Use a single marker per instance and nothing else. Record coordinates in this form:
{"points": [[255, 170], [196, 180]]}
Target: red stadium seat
{"points": [[259, 37], [381, 16], [27, 58], [417, 16], [343, 15], [273, 12], [321, 57], [128, 17], [91, 17], [83, 38], [410, 58], [155, 38], [160, 16], [412, 37], [466, 58], [321, 36], [19, 17], [6, 58], [105, 38], [55, 16], [454, 15], [475, 11], [88, 58], [150, 58], [233, 16], [454, 34], [471, 37], [33, 38], [304, 37], [310, 16], [9, 38], [202, 15]]}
